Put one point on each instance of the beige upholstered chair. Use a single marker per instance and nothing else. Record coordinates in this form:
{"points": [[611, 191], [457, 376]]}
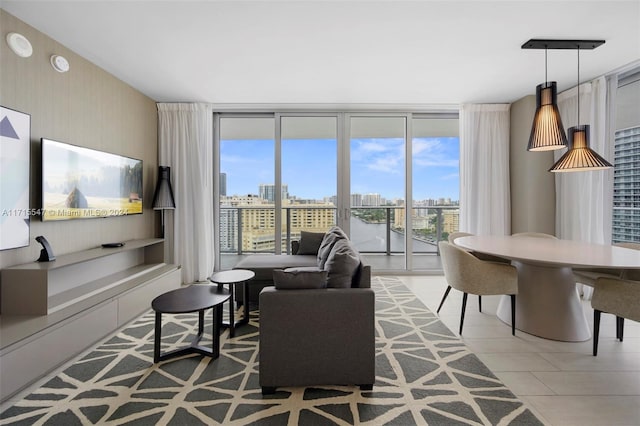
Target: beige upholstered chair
{"points": [[588, 276], [618, 297], [454, 235], [534, 234], [468, 274], [630, 274], [483, 256]]}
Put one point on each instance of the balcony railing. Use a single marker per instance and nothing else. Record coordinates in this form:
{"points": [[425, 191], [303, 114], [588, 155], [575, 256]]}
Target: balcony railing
{"points": [[369, 226]]}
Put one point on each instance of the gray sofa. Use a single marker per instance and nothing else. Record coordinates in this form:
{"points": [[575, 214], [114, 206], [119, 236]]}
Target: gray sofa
{"points": [[304, 254], [317, 323]]}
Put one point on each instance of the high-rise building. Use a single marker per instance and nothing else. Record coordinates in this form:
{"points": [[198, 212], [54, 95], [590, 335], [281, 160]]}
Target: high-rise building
{"points": [[258, 224], [267, 192], [356, 200], [223, 184], [450, 221], [332, 200], [626, 186], [371, 200], [228, 230]]}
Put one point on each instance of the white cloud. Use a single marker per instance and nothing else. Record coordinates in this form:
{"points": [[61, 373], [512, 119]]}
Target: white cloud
{"points": [[433, 152], [439, 161], [374, 146], [428, 146], [450, 176], [387, 164]]}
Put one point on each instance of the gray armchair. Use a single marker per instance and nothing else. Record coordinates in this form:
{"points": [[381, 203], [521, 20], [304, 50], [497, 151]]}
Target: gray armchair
{"points": [[317, 337]]}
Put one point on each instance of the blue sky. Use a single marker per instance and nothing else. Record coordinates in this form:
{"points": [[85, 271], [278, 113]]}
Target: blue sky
{"points": [[377, 166]]}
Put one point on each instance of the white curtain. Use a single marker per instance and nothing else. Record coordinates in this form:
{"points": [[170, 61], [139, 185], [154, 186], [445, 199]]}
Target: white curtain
{"points": [[485, 199], [186, 145], [584, 199]]}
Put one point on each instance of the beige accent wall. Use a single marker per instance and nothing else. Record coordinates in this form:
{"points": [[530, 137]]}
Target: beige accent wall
{"points": [[533, 202], [85, 106]]}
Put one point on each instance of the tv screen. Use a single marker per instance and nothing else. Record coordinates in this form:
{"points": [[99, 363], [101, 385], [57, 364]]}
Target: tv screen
{"points": [[81, 183]]}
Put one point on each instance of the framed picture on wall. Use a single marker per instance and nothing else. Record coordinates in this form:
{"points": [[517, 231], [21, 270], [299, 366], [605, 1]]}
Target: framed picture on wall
{"points": [[15, 143]]}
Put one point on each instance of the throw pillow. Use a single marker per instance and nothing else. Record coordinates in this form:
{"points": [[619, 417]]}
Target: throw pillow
{"points": [[342, 264], [310, 242], [327, 244], [299, 278], [338, 231]]}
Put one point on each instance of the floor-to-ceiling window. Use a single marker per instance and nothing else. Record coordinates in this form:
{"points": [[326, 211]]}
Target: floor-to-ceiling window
{"points": [[378, 178], [282, 173], [246, 219], [435, 152], [626, 180], [309, 152]]}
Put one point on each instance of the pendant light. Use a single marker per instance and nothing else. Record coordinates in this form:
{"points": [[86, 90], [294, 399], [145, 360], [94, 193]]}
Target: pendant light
{"points": [[580, 156], [547, 131]]}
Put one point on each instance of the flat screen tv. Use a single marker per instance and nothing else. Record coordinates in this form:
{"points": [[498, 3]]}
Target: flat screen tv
{"points": [[82, 183]]}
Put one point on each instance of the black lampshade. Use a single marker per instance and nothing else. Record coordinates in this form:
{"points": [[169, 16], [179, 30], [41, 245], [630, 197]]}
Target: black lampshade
{"points": [[163, 197], [547, 131], [580, 157]]}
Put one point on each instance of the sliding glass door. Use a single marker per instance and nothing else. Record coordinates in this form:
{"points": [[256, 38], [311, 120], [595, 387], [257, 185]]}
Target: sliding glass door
{"points": [[378, 157], [247, 162], [435, 185], [309, 150], [389, 180]]}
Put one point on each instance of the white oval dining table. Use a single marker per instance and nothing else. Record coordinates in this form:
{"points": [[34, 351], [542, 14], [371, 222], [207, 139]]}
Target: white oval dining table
{"points": [[548, 304]]}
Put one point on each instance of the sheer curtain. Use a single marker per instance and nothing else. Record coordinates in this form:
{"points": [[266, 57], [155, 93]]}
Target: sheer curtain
{"points": [[485, 200], [186, 145], [584, 200]]}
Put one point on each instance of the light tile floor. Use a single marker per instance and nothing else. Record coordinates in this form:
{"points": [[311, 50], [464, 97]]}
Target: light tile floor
{"points": [[561, 381]]}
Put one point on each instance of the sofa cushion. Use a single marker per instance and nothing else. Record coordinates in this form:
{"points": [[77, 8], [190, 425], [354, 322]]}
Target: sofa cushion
{"points": [[263, 264], [330, 238], [299, 278], [342, 264], [310, 242]]}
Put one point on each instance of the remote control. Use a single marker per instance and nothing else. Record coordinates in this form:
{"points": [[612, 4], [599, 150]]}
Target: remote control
{"points": [[112, 245]]}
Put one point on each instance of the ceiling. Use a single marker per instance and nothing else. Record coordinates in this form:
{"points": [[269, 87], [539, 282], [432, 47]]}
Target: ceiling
{"points": [[338, 52]]}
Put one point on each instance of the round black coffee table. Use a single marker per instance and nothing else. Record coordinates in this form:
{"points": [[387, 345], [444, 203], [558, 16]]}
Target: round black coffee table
{"points": [[194, 298], [233, 277]]}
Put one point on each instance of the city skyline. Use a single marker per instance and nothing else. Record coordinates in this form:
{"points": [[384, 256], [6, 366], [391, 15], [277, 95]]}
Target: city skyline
{"points": [[377, 167]]}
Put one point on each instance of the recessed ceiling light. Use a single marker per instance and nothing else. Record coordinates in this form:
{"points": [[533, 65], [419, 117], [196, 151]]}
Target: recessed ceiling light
{"points": [[59, 63], [19, 44]]}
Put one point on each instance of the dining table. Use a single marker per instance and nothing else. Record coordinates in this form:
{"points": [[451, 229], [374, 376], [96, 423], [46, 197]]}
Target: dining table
{"points": [[548, 304]]}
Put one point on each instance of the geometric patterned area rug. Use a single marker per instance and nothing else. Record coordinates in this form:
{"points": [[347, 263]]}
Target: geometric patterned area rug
{"points": [[424, 375]]}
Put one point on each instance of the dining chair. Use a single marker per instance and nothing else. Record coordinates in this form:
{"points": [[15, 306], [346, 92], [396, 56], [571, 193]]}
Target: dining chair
{"points": [[630, 274], [452, 236], [483, 256], [471, 275], [588, 276], [618, 297]]}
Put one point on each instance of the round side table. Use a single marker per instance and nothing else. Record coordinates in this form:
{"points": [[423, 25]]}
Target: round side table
{"points": [[194, 298], [231, 278]]}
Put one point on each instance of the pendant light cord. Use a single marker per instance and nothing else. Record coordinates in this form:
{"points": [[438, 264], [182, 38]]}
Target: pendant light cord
{"points": [[545, 64], [578, 85]]}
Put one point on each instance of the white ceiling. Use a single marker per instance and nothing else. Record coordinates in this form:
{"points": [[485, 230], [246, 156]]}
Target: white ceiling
{"points": [[338, 52]]}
